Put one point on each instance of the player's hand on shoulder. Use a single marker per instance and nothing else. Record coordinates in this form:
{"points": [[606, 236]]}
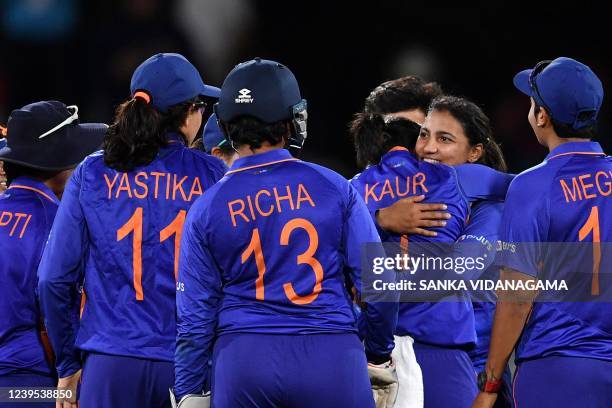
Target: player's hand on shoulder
{"points": [[410, 216]]}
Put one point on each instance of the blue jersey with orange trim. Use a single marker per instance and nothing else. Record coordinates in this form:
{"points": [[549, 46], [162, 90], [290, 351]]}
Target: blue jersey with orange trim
{"points": [[399, 175], [567, 198], [267, 250], [120, 233], [27, 210], [483, 228]]}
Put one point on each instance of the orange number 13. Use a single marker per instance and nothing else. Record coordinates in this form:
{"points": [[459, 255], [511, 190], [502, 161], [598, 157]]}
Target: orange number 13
{"points": [[134, 224], [305, 258]]}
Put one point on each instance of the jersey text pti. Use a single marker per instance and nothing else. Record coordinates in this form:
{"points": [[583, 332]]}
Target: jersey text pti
{"points": [[15, 223]]}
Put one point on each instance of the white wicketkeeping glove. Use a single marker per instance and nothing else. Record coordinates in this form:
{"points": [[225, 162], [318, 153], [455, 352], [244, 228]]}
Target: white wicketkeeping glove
{"points": [[384, 383], [191, 400]]}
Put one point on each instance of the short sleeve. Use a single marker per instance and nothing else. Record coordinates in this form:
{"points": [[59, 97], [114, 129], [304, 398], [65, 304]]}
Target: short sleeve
{"points": [[524, 225]]}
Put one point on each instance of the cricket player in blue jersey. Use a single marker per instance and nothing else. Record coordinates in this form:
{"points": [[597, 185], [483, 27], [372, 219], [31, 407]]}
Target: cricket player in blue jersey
{"points": [[216, 144], [118, 231], [264, 258], [563, 349], [456, 131], [46, 143], [444, 331]]}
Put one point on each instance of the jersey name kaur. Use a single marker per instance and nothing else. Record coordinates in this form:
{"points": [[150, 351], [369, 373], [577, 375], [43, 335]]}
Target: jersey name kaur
{"points": [[396, 187]]}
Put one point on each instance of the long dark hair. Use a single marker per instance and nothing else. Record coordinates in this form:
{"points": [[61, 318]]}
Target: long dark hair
{"points": [[476, 126], [139, 131], [373, 136], [405, 93]]}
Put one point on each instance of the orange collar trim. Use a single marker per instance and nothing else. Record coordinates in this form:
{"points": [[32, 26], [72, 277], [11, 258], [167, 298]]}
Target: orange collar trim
{"points": [[261, 165], [587, 153], [42, 193], [398, 149]]}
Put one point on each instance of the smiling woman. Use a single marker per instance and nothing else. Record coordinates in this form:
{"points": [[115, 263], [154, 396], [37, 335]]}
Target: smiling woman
{"points": [[457, 131]]}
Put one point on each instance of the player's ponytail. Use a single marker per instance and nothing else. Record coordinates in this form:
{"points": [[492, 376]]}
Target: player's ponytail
{"points": [[139, 131], [476, 126], [373, 136]]}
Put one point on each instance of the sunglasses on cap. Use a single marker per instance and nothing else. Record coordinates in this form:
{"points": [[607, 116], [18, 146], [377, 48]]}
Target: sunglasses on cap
{"points": [[67, 121], [200, 106], [534, 86]]}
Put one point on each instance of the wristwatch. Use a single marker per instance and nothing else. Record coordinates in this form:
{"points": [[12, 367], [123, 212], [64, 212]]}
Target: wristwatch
{"points": [[486, 384]]}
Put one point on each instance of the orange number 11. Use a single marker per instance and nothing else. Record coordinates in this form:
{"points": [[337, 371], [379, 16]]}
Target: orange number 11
{"points": [[134, 224], [592, 224]]}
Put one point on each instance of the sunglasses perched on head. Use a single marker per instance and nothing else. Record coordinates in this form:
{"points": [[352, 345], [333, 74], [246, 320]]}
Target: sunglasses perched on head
{"points": [[74, 116], [534, 86], [200, 106]]}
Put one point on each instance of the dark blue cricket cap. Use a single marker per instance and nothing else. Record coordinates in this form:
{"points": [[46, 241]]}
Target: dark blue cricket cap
{"points": [[47, 135], [264, 89], [170, 79], [568, 89], [213, 137]]}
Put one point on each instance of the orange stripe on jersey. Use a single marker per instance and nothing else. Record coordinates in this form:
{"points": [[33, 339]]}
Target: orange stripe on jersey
{"points": [[261, 165], [83, 301], [398, 149], [42, 193], [587, 153], [404, 249]]}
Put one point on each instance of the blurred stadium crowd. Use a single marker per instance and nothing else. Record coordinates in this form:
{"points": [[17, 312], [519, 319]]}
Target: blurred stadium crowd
{"points": [[84, 53]]}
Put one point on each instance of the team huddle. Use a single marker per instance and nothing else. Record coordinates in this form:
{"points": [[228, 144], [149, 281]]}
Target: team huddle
{"points": [[145, 265]]}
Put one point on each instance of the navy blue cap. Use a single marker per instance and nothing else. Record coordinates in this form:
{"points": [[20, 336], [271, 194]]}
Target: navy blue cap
{"points": [[213, 137], [568, 89], [264, 89], [47, 135], [170, 79]]}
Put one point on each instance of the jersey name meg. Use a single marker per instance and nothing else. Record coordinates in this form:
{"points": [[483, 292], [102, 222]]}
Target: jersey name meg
{"points": [[587, 186]]}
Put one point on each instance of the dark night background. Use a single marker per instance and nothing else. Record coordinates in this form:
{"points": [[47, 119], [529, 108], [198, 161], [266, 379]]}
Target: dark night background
{"points": [[84, 52]]}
